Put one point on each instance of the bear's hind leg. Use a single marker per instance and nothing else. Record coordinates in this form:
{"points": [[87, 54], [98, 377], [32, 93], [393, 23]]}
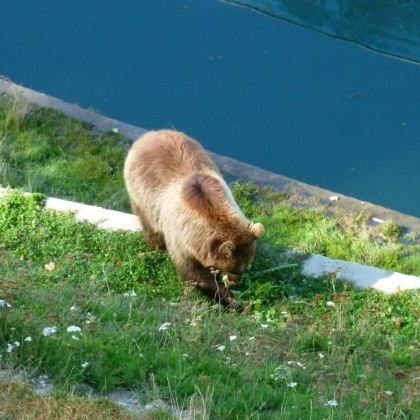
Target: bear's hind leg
{"points": [[154, 239]]}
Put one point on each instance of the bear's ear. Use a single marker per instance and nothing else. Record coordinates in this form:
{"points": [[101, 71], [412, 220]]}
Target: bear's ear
{"points": [[257, 229], [226, 249]]}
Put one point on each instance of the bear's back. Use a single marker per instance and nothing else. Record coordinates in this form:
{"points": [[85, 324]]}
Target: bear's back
{"points": [[156, 170], [165, 156]]}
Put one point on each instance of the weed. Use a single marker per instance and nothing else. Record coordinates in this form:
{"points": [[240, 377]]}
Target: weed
{"points": [[391, 231]]}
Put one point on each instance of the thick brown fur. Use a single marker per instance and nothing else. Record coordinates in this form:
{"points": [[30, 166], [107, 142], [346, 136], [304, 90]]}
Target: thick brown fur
{"points": [[186, 207]]}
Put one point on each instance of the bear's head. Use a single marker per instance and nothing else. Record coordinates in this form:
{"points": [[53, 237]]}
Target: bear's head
{"points": [[232, 256], [223, 239]]}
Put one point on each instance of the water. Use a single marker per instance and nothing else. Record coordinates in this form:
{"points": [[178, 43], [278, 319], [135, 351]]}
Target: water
{"points": [[280, 96]]}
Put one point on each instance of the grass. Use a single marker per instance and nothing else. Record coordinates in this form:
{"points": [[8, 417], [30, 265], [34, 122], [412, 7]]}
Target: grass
{"points": [[43, 151], [18, 402], [347, 236], [124, 345], [359, 348]]}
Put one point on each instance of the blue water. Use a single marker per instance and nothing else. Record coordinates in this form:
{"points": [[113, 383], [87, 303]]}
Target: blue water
{"points": [[283, 97]]}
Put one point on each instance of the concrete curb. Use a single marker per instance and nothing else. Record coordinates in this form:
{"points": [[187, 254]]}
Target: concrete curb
{"points": [[102, 218], [100, 122], [361, 276], [231, 167]]}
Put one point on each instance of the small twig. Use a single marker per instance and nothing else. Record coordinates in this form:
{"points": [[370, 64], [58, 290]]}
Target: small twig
{"points": [[215, 273]]}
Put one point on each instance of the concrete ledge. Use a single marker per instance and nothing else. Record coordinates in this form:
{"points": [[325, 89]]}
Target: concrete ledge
{"points": [[102, 218], [361, 276], [229, 166], [100, 122]]}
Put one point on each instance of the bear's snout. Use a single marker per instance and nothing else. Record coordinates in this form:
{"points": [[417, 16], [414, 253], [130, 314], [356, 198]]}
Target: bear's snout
{"points": [[234, 277]]}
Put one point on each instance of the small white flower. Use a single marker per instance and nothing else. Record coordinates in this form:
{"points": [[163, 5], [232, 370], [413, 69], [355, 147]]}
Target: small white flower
{"points": [[28, 339], [221, 347], [232, 337], [165, 326], [47, 331], [17, 344], [50, 266], [294, 363], [193, 324], [74, 328], [84, 365], [74, 337], [330, 304], [73, 308], [264, 325], [4, 304], [130, 294], [90, 318], [284, 313], [292, 385], [321, 355], [9, 348], [247, 353], [331, 403], [185, 355], [389, 393], [251, 338], [115, 130]]}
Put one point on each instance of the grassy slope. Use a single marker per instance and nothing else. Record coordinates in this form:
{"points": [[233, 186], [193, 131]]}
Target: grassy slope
{"points": [[361, 335], [43, 151], [369, 343]]}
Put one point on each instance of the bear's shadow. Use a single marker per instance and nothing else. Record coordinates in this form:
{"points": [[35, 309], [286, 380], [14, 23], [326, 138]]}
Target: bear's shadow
{"points": [[276, 275]]}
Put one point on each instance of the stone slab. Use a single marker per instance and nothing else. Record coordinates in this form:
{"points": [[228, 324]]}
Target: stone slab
{"points": [[361, 276]]}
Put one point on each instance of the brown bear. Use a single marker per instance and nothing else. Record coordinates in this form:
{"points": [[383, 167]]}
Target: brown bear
{"points": [[186, 207]]}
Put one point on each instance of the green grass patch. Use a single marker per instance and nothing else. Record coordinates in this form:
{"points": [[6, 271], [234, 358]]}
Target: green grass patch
{"points": [[43, 151], [346, 236], [356, 351], [304, 341]]}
